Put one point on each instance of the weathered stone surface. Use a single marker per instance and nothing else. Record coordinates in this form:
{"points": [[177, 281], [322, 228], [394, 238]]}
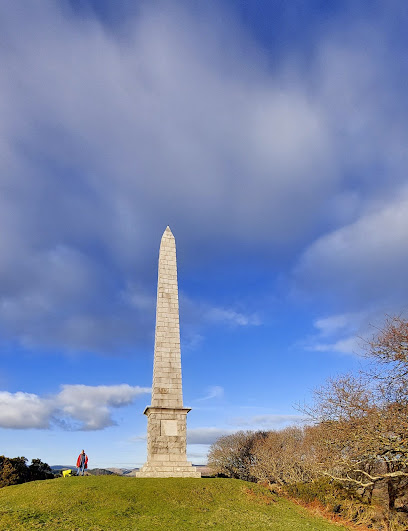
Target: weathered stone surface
{"points": [[166, 417]]}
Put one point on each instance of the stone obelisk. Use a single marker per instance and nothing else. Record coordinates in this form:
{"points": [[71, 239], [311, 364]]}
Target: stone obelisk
{"points": [[166, 417]]}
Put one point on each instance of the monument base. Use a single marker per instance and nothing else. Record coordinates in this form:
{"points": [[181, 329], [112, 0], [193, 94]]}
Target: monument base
{"points": [[168, 470], [166, 444]]}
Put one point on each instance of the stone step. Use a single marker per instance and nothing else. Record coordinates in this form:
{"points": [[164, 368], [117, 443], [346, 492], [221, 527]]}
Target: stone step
{"points": [[157, 473]]}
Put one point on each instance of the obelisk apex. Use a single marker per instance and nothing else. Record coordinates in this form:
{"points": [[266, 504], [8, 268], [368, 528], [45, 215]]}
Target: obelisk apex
{"points": [[166, 417], [167, 390]]}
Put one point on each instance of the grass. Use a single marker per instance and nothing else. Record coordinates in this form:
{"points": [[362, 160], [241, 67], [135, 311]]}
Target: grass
{"points": [[104, 503]]}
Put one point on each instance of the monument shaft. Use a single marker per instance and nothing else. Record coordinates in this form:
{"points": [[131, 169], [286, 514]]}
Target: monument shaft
{"points": [[167, 390], [166, 417]]}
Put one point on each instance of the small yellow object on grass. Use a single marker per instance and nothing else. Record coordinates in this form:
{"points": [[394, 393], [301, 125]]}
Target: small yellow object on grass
{"points": [[67, 473]]}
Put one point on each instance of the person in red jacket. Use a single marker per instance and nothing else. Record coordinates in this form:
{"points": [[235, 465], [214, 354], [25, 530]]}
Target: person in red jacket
{"points": [[82, 463]]}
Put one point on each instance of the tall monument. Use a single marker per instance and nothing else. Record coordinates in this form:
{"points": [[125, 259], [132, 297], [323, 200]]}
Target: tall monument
{"points": [[166, 417]]}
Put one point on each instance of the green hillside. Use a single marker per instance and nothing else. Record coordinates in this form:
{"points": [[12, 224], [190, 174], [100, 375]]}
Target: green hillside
{"points": [[118, 503]]}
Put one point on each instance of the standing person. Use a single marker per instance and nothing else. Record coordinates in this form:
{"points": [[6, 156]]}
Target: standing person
{"points": [[82, 463]]}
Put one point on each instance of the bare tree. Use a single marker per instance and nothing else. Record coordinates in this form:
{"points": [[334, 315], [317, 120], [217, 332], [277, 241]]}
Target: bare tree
{"points": [[388, 350], [361, 422], [232, 455], [283, 457]]}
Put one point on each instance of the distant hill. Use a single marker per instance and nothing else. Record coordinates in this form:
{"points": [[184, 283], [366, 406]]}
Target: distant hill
{"points": [[89, 472], [99, 472], [61, 467], [131, 473], [117, 503], [121, 471]]}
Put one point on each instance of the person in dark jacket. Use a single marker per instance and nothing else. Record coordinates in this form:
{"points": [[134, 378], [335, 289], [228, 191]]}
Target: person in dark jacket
{"points": [[82, 463]]}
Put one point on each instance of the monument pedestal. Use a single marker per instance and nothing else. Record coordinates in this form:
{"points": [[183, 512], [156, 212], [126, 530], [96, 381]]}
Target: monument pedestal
{"points": [[166, 444]]}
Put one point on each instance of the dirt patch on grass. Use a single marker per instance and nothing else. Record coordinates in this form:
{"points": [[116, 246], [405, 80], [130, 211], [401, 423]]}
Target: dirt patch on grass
{"points": [[262, 498]]}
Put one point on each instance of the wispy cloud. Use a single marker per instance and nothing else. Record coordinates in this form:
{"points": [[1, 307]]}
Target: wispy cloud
{"points": [[326, 326], [137, 438], [232, 317], [347, 333], [270, 421], [347, 345], [198, 315], [206, 435], [338, 333], [215, 391]]}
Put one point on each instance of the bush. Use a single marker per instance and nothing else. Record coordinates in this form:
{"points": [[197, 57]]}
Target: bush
{"points": [[347, 503], [14, 470], [329, 493], [40, 470]]}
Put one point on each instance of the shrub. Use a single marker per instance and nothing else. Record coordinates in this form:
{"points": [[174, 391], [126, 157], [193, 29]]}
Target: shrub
{"points": [[14, 470]]}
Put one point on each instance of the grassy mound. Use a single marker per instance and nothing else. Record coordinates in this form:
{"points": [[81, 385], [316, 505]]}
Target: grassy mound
{"points": [[104, 503]]}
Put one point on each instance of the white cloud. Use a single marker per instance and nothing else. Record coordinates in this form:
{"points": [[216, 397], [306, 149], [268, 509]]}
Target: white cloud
{"points": [[74, 407], [91, 406], [24, 410]]}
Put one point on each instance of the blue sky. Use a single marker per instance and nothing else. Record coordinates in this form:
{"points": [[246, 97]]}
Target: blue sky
{"points": [[272, 138]]}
